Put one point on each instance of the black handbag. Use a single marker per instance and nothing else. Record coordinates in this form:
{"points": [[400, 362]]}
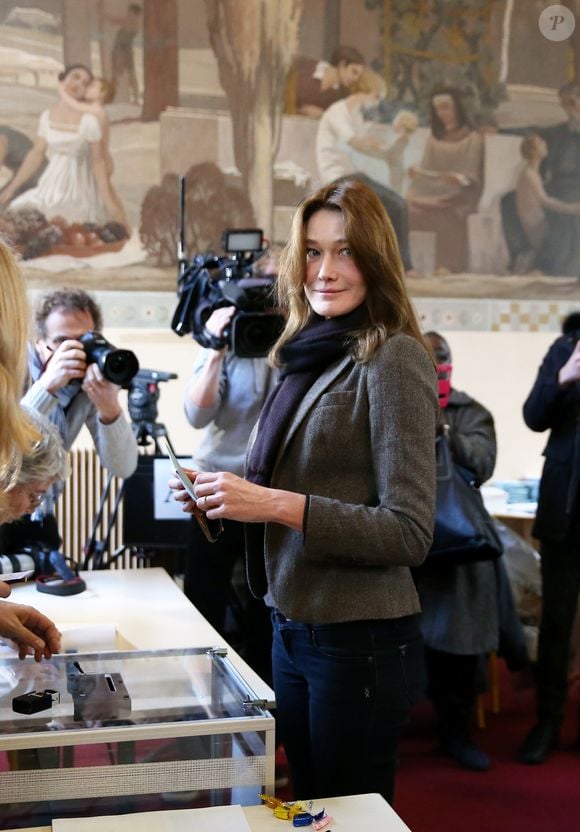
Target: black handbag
{"points": [[464, 530]]}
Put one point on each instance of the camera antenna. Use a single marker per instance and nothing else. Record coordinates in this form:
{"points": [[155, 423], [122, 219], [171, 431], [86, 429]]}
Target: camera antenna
{"points": [[181, 259]]}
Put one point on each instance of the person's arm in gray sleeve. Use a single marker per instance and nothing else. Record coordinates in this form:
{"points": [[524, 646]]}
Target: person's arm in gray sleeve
{"points": [[205, 389], [115, 443]]}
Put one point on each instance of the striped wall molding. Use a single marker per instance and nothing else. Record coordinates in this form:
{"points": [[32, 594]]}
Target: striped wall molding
{"points": [[154, 310]]}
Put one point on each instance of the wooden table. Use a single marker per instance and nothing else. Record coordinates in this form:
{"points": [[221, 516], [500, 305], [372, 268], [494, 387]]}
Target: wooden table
{"points": [[520, 518]]}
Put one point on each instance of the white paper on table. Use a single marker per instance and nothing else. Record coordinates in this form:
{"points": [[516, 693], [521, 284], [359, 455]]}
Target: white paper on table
{"points": [[212, 819], [80, 638], [85, 638]]}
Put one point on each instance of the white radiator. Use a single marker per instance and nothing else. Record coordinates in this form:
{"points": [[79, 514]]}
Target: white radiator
{"points": [[79, 504]]}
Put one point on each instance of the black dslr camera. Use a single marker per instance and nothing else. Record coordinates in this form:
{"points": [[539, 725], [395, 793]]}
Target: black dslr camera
{"points": [[211, 282], [118, 366]]}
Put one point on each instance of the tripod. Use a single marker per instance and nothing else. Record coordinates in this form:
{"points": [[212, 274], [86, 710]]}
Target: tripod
{"points": [[147, 433]]}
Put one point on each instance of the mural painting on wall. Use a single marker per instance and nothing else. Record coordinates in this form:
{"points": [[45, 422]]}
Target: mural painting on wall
{"points": [[462, 114]]}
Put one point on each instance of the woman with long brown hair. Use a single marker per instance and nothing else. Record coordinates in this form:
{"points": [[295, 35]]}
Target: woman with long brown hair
{"points": [[339, 496]]}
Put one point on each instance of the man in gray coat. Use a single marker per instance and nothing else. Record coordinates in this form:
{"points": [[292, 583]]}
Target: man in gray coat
{"points": [[71, 394]]}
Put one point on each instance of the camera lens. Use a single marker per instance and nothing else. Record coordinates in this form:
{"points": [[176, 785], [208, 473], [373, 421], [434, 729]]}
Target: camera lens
{"points": [[119, 366], [253, 334]]}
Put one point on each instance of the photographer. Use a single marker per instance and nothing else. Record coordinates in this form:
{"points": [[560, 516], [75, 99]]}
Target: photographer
{"points": [[224, 397], [554, 404], [73, 393]]}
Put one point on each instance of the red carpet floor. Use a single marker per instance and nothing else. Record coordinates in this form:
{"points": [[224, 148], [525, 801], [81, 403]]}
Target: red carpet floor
{"points": [[433, 794]]}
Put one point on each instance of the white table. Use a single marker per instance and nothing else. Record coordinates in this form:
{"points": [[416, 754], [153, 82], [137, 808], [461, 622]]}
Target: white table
{"points": [[148, 608], [149, 613], [351, 814], [520, 517]]}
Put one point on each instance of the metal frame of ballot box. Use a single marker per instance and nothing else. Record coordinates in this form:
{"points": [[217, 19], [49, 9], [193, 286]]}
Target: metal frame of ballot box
{"points": [[132, 730]]}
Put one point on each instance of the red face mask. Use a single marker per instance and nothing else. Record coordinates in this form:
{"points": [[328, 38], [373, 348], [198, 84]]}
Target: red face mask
{"points": [[444, 383]]}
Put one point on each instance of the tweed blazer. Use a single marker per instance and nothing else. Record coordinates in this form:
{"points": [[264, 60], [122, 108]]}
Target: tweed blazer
{"points": [[361, 445]]}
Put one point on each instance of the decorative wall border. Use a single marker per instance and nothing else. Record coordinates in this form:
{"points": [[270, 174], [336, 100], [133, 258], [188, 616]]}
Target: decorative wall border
{"points": [[493, 315], [154, 310]]}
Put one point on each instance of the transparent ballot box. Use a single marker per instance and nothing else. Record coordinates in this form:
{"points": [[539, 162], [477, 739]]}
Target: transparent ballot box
{"points": [[115, 731]]}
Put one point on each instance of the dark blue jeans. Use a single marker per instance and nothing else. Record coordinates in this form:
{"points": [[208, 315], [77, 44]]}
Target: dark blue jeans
{"points": [[343, 696]]}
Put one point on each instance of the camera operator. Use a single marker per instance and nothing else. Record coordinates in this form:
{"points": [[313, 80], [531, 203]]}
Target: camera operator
{"points": [[554, 404], [73, 392], [224, 397]]}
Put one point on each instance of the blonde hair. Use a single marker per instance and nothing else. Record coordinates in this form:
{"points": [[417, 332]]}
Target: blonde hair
{"points": [[17, 435], [371, 238], [47, 459], [370, 81], [108, 88]]}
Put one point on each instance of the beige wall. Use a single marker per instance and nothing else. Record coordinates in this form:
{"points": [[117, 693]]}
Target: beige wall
{"points": [[496, 368]]}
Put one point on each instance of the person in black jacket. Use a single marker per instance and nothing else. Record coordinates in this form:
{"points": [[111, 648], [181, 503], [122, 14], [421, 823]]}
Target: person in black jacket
{"points": [[554, 404], [468, 608], [460, 621]]}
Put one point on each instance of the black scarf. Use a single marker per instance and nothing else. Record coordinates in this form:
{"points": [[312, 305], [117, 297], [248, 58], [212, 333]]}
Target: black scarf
{"points": [[312, 350]]}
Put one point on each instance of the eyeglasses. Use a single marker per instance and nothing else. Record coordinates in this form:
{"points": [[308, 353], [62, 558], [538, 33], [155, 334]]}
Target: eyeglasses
{"points": [[36, 496], [210, 528]]}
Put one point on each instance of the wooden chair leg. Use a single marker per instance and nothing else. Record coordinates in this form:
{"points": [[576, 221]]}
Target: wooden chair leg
{"points": [[480, 712], [494, 682], [493, 676]]}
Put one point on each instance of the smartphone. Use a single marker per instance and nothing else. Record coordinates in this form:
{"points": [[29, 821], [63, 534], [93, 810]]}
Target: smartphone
{"points": [[187, 483], [10, 577], [211, 528]]}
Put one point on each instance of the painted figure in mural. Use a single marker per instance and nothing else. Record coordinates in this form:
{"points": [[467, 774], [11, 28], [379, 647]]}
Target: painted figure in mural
{"points": [[99, 92], [341, 129], [533, 205], [122, 54], [446, 186], [75, 184], [560, 171], [466, 607], [315, 85], [14, 145], [404, 124], [333, 520]]}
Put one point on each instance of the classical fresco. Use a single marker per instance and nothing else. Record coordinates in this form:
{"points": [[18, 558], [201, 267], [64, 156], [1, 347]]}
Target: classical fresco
{"points": [[464, 115]]}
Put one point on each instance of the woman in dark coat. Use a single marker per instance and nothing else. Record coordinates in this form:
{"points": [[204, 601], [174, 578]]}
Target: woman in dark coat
{"points": [[460, 620]]}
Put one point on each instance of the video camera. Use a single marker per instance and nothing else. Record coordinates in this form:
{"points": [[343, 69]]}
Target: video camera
{"points": [[211, 282]]}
